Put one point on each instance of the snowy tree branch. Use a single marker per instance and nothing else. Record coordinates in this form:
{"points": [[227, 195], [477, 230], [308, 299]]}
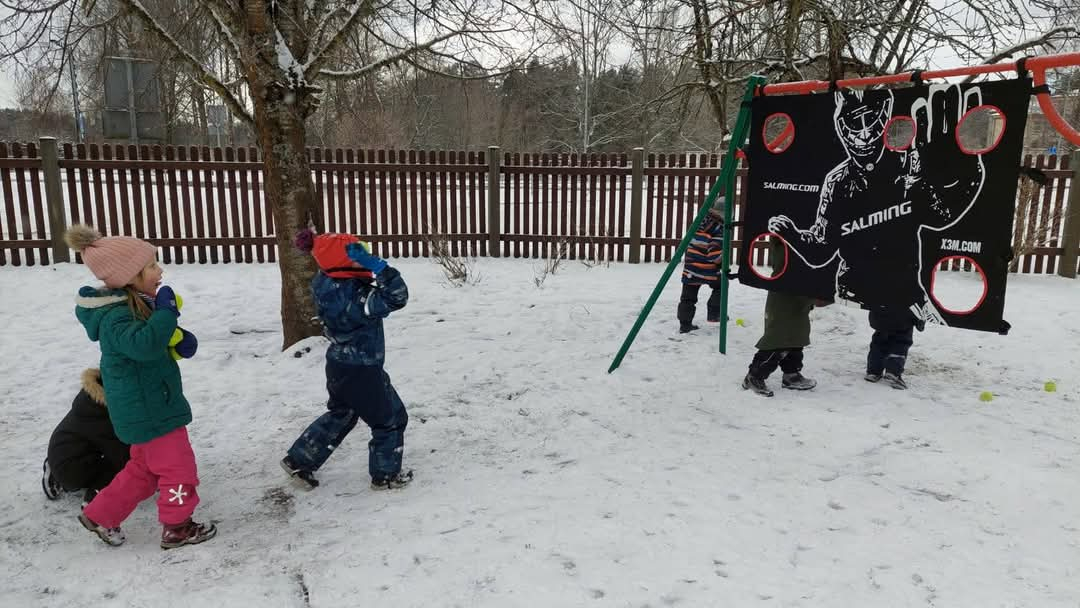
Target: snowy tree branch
{"points": [[226, 31], [314, 63], [204, 75], [1045, 40], [389, 60]]}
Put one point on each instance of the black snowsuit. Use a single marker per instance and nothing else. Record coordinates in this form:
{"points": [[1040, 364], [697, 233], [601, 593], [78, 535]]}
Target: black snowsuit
{"points": [[83, 450], [893, 336], [787, 329]]}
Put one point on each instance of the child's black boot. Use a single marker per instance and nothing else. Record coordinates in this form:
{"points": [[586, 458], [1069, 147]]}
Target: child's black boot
{"points": [[399, 480], [753, 383], [798, 382], [305, 478]]}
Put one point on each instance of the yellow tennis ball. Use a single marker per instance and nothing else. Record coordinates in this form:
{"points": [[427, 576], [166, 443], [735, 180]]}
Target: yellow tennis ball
{"points": [[366, 245], [1050, 386], [986, 396], [740, 322]]}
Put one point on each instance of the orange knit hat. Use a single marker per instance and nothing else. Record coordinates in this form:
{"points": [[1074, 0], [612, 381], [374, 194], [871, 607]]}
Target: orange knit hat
{"points": [[329, 253], [116, 260]]}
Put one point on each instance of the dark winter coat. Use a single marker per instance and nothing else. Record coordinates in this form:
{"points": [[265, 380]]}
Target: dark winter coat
{"points": [[142, 380], [704, 255], [787, 316], [352, 311], [787, 321], [83, 450]]}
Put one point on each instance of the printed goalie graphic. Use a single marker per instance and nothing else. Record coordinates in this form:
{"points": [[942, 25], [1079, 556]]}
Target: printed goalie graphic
{"points": [[867, 195]]}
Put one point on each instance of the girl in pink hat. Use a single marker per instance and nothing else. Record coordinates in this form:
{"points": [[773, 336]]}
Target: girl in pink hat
{"points": [[134, 320]]}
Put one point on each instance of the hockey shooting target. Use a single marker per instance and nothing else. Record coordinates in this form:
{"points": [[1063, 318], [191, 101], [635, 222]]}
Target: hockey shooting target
{"points": [[882, 188]]}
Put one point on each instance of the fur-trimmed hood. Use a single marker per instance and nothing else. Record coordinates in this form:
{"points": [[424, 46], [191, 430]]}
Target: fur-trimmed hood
{"points": [[91, 383], [92, 304], [96, 297]]}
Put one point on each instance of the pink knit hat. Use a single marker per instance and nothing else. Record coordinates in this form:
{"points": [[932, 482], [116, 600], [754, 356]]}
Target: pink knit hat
{"points": [[116, 260]]}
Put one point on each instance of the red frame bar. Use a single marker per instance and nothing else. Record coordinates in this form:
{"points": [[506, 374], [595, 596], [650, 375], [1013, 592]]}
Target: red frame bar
{"points": [[1036, 65]]}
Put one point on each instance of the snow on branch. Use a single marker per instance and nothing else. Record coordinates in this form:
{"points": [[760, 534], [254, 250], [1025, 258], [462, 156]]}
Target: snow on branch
{"points": [[225, 31], [767, 64], [339, 75], [288, 63], [1045, 40], [320, 29], [207, 78], [314, 63]]}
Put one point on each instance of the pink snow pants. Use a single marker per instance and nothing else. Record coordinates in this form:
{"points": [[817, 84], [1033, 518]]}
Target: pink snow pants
{"points": [[166, 465]]}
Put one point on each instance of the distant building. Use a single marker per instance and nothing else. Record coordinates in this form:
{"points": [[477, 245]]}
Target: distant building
{"points": [[1040, 137]]}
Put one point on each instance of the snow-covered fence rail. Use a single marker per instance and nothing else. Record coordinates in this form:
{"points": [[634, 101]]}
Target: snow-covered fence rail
{"points": [[207, 205]]}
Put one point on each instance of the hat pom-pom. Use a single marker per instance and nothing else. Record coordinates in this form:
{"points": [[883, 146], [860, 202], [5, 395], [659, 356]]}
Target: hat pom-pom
{"points": [[305, 240], [81, 236]]}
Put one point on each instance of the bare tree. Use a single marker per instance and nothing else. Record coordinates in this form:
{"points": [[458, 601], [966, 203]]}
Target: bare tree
{"points": [[582, 30], [726, 41], [286, 51]]}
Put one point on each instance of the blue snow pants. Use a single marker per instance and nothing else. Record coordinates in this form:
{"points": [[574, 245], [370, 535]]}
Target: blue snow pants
{"points": [[357, 392]]}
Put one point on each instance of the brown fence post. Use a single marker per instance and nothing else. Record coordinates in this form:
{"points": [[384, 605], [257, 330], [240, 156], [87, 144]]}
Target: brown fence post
{"points": [[54, 199], [637, 178], [1070, 241], [493, 203]]}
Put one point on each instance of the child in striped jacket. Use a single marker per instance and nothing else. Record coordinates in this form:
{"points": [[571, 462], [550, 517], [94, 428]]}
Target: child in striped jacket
{"points": [[701, 266]]}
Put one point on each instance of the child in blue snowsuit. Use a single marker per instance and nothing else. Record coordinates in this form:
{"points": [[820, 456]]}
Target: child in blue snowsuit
{"points": [[354, 290], [701, 266]]}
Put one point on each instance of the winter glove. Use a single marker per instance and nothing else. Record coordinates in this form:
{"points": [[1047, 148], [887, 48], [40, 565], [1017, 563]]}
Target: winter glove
{"points": [[167, 300], [360, 255], [183, 344]]}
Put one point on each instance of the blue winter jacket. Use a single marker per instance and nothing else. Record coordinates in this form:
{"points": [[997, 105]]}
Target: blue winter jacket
{"points": [[352, 311]]}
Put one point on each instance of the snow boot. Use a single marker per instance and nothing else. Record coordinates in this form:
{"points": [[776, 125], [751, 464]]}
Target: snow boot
{"points": [[49, 485], [89, 496], [712, 316], [798, 382], [111, 536], [872, 377], [187, 533], [305, 479], [685, 328], [757, 385], [392, 483], [894, 380]]}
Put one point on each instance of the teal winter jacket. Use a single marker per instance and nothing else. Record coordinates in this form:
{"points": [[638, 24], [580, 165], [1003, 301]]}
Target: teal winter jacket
{"points": [[141, 379]]}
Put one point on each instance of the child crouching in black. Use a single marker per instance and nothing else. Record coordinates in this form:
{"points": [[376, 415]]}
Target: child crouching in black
{"points": [[84, 451]]}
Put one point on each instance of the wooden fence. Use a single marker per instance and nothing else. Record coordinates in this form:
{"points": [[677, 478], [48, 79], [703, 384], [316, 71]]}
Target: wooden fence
{"points": [[202, 205]]}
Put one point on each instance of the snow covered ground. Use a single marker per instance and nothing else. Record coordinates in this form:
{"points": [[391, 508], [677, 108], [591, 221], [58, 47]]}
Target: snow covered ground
{"points": [[544, 481]]}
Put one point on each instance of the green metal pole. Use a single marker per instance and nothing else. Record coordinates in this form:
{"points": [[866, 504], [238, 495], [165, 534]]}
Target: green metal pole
{"points": [[742, 125], [726, 180]]}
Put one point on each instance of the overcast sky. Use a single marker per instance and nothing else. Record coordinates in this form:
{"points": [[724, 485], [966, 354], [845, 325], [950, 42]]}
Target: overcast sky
{"points": [[943, 58]]}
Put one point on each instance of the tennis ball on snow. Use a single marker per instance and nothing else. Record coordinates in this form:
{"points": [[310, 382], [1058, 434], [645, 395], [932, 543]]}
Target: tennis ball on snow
{"points": [[740, 322], [986, 396], [1050, 386]]}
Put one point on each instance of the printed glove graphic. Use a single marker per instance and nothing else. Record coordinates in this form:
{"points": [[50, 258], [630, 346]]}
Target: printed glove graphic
{"points": [[360, 255], [183, 344], [167, 300], [950, 193]]}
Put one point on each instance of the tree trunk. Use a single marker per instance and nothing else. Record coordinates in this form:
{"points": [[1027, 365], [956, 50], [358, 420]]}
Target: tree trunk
{"points": [[199, 100], [280, 129]]}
